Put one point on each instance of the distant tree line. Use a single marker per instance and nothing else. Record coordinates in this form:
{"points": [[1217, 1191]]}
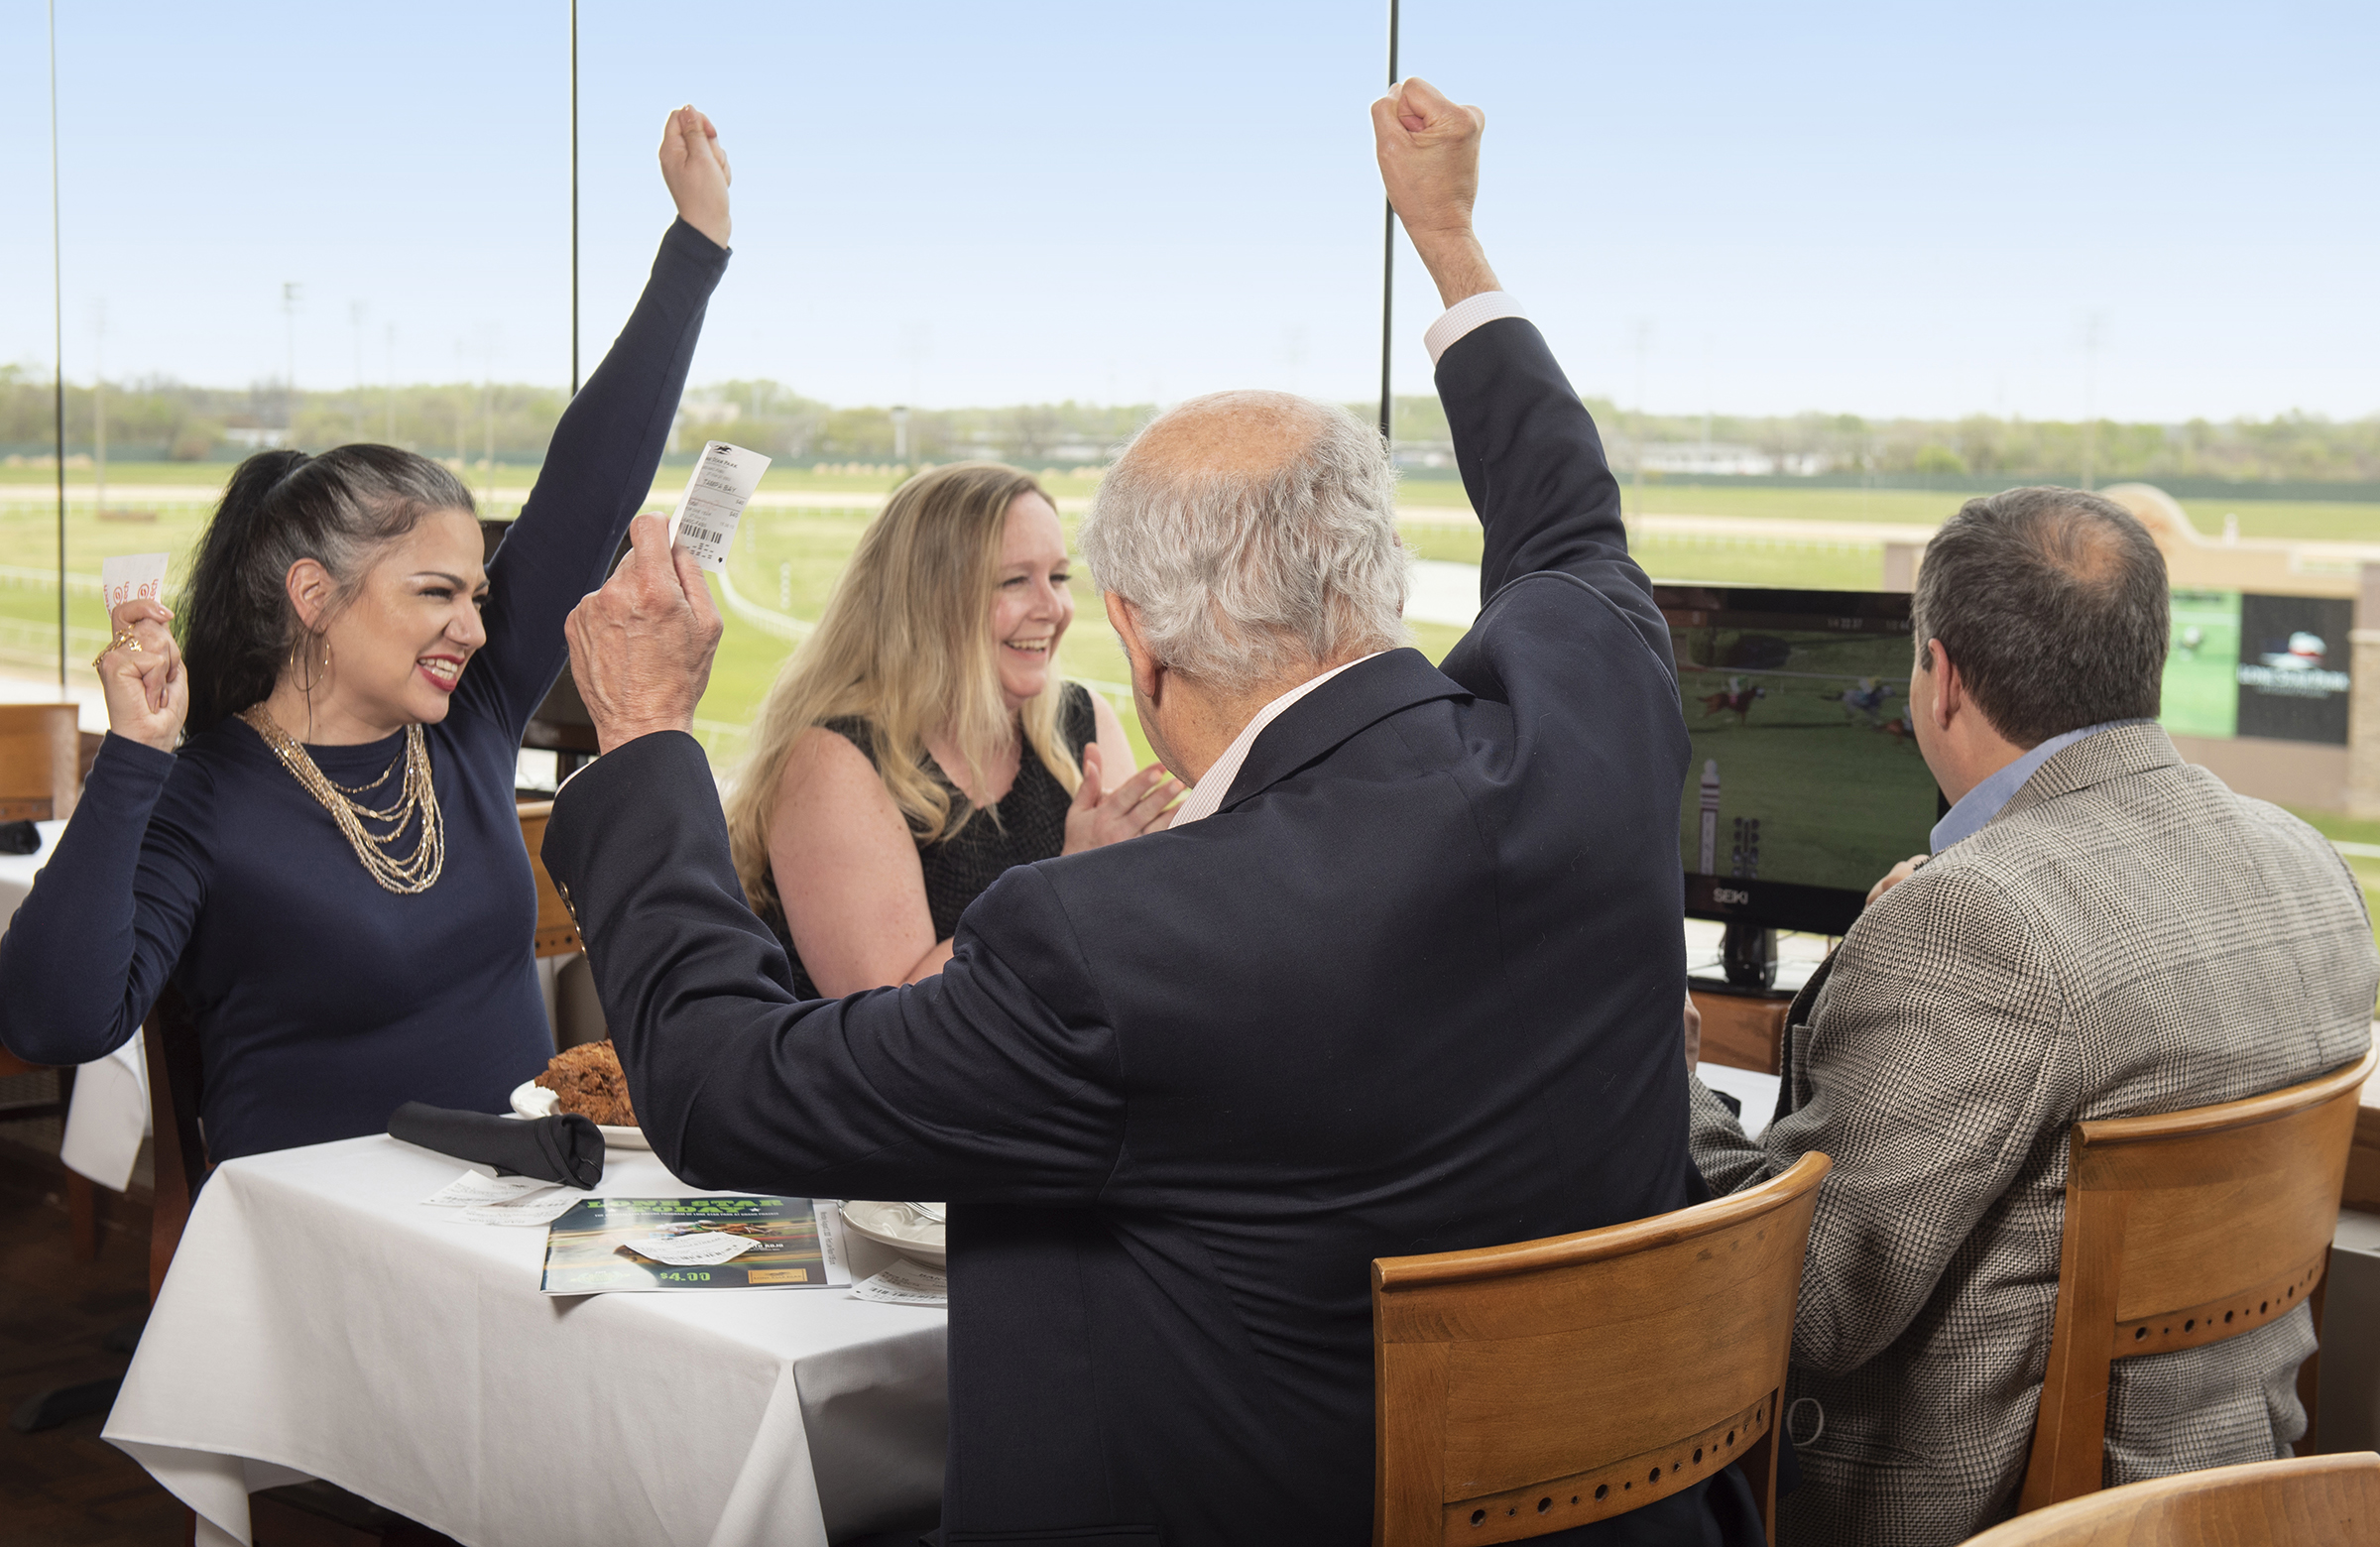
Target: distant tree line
{"points": [[161, 421], [2293, 448]]}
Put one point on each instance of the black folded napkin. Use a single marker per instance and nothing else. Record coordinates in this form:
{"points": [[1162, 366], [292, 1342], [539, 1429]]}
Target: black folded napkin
{"points": [[565, 1147], [20, 838]]}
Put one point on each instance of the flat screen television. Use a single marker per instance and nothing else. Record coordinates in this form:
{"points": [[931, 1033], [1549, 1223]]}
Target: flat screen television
{"points": [[1805, 785]]}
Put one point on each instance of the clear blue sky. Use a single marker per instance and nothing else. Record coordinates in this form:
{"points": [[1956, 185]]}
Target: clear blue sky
{"points": [[1888, 209]]}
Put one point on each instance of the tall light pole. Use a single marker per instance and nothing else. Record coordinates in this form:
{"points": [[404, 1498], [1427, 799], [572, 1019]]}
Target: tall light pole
{"points": [[99, 408], [573, 198], [2093, 327], [290, 291], [1389, 272], [355, 315], [57, 318], [1645, 342], [392, 379]]}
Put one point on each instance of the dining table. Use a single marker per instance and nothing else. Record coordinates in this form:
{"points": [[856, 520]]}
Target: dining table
{"points": [[320, 1320], [108, 1115]]}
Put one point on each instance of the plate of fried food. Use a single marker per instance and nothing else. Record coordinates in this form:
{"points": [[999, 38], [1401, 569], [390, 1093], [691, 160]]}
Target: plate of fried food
{"points": [[587, 1080]]}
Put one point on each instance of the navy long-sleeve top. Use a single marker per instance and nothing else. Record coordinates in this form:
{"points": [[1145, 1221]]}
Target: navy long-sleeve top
{"points": [[322, 1001]]}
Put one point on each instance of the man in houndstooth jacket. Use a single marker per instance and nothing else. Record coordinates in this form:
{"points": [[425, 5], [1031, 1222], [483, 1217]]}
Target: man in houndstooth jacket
{"points": [[2103, 931]]}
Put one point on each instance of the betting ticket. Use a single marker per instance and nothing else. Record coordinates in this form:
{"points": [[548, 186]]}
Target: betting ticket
{"points": [[132, 578], [905, 1283], [539, 1209], [721, 485], [473, 1189], [695, 1249]]}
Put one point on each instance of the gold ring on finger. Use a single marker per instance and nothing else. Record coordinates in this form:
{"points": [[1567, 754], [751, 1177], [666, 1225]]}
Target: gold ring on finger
{"points": [[125, 640]]}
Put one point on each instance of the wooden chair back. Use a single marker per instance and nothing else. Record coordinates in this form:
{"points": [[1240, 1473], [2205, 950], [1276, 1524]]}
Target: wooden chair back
{"points": [[40, 762], [1528, 1388], [170, 1038], [2266, 1504], [557, 932], [2183, 1230]]}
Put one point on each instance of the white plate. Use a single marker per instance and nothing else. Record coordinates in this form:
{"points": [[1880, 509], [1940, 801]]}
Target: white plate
{"points": [[532, 1100], [894, 1225]]}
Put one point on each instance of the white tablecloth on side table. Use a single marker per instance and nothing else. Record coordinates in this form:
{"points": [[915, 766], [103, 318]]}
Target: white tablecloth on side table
{"points": [[319, 1321], [109, 1115]]}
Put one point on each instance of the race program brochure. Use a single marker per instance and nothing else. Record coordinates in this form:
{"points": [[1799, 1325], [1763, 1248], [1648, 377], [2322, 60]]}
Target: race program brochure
{"points": [[721, 485], [132, 576], [613, 1245]]}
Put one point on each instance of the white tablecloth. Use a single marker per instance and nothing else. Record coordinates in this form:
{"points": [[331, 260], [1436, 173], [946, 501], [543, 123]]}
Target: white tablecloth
{"points": [[109, 1115], [319, 1322]]}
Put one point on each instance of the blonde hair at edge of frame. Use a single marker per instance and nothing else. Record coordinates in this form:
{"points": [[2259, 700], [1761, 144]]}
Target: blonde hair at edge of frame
{"points": [[906, 645]]}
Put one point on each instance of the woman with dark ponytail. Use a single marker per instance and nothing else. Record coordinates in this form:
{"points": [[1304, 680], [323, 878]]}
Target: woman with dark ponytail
{"points": [[303, 816]]}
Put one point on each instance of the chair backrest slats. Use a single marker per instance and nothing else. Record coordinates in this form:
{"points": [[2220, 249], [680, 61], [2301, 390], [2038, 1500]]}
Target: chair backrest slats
{"points": [[2183, 1230], [1534, 1387], [170, 1037]]}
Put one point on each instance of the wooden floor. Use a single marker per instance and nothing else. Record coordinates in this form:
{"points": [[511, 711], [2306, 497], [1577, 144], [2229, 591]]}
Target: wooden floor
{"points": [[67, 1488]]}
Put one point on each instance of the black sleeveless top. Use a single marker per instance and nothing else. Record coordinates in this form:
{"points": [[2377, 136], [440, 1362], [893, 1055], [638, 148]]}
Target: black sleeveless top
{"points": [[1031, 825]]}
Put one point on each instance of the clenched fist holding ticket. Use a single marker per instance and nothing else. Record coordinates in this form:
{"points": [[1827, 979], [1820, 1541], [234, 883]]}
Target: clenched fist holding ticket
{"points": [[640, 647]]}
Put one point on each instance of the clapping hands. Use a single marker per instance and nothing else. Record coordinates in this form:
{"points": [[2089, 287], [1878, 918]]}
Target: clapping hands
{"points": [[1100, 816], [695, 165]]}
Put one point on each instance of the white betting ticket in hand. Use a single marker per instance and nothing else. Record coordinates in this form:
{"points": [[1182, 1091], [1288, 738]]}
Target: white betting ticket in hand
{"points": [[132, 578], [721, 485]]}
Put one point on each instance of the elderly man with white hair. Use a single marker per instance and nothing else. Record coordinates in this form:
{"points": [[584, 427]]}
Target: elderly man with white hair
{"points": [[1401, 977]]}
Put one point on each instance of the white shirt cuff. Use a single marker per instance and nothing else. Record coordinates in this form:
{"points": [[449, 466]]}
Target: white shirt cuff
{"points": [[1466, 314]]}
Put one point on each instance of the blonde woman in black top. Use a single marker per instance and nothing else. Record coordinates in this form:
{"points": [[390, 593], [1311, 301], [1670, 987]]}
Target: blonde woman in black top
{"points": [[921, 742]]}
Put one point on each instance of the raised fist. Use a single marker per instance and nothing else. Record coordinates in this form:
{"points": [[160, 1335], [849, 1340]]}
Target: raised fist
{"points": [[1429, 150], [695, 165]]}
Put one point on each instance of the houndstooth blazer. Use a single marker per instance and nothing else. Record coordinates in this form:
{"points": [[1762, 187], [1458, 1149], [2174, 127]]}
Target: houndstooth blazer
{"points": [[2127, 936]]}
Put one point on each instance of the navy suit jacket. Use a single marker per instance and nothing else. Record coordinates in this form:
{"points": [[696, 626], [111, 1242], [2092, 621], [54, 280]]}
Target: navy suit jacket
{"points": [[1415, 987]]}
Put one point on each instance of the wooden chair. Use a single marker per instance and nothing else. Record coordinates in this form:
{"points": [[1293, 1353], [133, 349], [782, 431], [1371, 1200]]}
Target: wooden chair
{"points": [[2266, 1504], [2181, 1231], [1527, 1388], [557, 932], [40, 762], [2362, 1191], [170, 1038], [1743, 1031]]}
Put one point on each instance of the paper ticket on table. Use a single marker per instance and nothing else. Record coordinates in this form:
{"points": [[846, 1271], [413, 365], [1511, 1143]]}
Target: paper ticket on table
{"points": [[474, 1189], [721, 485], [905, 1283], [542, 1209], [132, 578], [695, 1249]]}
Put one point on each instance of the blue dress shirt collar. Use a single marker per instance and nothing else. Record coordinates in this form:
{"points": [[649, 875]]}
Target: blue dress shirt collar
{"points": [[1980, 805]]}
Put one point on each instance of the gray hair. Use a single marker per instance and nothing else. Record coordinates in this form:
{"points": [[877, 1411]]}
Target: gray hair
{"points": [[1244, 575], [2053, 605]]}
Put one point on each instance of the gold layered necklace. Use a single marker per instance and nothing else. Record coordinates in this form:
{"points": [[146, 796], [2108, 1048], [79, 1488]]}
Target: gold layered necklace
{"points": [[416, 797]]}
